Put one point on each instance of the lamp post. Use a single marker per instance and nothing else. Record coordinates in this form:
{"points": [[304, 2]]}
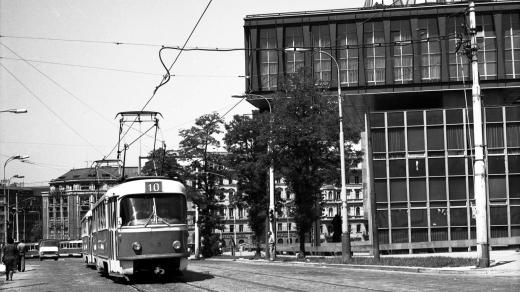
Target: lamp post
{"points": [[6, 196], [345, 235], [15, 111], [16, 208], [271, 165]]}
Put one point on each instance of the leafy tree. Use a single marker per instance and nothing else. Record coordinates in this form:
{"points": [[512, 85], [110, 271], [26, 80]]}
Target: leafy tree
{"points": [[305, 137], [164, 162], [247, 157], [197, 147]]}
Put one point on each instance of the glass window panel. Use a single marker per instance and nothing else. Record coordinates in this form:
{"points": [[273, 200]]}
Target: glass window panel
{"points": [[375, 53], [293, 39], [513, 135], [456, 166], [436, 166], [397, 168], [268, 59], [322, 62], [380, 189], [438, 217], [416, 167], [458, 64], [497, 187], [458, 217], [415, 139], [457, 188], [399, 235], [496, 164], [348, 54], [459, 233], [402, 51], [398, 190], [419, 234], [455, 137], [493, 114], [399, 218], [414, 118], [514, 163], [395, 119], [437, 189], [435, 138], [454, 116], [382, 218], [419, 217], [417, 190], [498, 215], [495, 135], [379, 168], [515, 215], [514, 186], [513, 113], [378, 140]]}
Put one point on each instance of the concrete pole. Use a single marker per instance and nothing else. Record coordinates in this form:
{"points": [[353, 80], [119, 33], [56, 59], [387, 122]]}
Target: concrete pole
{"points": [[16, 214], [372, 223], [197, 236], [479, 166]]}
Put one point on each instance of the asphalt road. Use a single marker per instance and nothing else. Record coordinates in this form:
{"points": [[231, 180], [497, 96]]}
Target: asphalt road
{"points": [[70, 274]]}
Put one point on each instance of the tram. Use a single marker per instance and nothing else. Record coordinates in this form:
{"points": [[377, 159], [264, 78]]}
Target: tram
{"points": [[138, 226], [70, 248], [86, 239]]}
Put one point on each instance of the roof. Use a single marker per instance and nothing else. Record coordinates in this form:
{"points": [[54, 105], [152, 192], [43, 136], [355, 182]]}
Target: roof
{"points": [[89, 174]]}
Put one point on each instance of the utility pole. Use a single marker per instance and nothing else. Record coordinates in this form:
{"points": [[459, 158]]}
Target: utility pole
{"points": [[479, 165]]}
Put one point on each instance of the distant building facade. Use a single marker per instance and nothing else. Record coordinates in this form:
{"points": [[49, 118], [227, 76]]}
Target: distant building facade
{"points": [[71, 195]]}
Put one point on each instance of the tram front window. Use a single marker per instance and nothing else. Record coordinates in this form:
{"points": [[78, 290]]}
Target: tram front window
{"points": [[156, 209]]}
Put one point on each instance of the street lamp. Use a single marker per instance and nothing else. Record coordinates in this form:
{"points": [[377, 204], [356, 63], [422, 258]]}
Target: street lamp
{"points": [[15, 111], [271, 165], [16, 208], [345, 236], [6, 197]]}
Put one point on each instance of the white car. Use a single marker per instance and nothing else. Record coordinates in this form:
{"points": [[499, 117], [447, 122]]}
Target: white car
{"points": [[48, 248]]}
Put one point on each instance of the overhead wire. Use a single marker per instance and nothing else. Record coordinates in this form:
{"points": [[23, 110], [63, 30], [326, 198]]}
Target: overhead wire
{"points": [[49, 108], [167, 75]]}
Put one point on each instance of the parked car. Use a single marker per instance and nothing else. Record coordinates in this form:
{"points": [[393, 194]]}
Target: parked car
{"points": [[48, 248]]}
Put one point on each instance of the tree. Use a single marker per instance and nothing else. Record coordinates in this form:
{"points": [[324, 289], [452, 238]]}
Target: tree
{"points": [[203, 168], [247, 157], [164, 162], [304, 134]]}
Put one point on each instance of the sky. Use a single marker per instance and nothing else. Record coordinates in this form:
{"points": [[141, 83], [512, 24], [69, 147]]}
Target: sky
{"points": [[59, 60]]}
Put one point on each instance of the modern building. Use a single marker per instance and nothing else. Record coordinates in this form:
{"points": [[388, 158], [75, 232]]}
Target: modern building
{"points": [[406, 84], [71, 195]]}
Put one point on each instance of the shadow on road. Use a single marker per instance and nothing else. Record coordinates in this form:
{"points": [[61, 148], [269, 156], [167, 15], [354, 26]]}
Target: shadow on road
{"points": [[150, 278]]}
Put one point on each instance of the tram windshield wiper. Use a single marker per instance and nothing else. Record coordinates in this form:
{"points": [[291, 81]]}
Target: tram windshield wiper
{"points": [[163, 221], [149, 219]]}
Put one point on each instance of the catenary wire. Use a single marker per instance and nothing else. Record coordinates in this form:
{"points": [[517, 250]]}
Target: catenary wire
{"points": [[48, 107]]}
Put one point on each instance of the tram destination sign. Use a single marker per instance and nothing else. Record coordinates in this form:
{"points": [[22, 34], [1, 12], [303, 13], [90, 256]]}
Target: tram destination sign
{"points": [[153, 186]]}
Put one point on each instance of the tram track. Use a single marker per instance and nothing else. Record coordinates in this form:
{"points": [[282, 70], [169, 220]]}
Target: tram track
{"points": [[278, 276]]}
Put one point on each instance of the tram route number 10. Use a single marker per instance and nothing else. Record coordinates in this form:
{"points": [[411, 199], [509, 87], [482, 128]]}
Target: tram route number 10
{"points": [[153, 187]]}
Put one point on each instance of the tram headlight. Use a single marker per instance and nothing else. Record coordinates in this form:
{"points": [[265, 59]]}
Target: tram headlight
{"points": [[136, 246], [176, 244]]}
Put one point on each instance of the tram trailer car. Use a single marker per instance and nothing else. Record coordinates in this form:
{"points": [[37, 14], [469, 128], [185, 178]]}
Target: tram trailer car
{"points": [[70, 248], [141, 226], [86, 238]]}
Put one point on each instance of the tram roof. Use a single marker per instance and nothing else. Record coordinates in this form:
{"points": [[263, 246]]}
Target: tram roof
{"points": [[136, 185]]}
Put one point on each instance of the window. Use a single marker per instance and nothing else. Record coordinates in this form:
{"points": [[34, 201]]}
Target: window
{"points": [[430, 49], [375, 53], [240, 212], [512, 45], [268, 56], [289, 226], [231, 212], [358, 212], [322, 62], [293, 39], [358, 228], [231, 228], [487, 53], [279, 227], [348, 57], [331, 214], [357, 194], [240, 228], [458, 63], [403, 52], [356, 179]]}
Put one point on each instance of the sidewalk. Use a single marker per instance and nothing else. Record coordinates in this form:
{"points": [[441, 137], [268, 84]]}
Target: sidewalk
{"points": [[504, 263]]}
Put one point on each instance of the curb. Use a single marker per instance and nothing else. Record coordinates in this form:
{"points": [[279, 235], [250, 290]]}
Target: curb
{"points": [[468, 271]]}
